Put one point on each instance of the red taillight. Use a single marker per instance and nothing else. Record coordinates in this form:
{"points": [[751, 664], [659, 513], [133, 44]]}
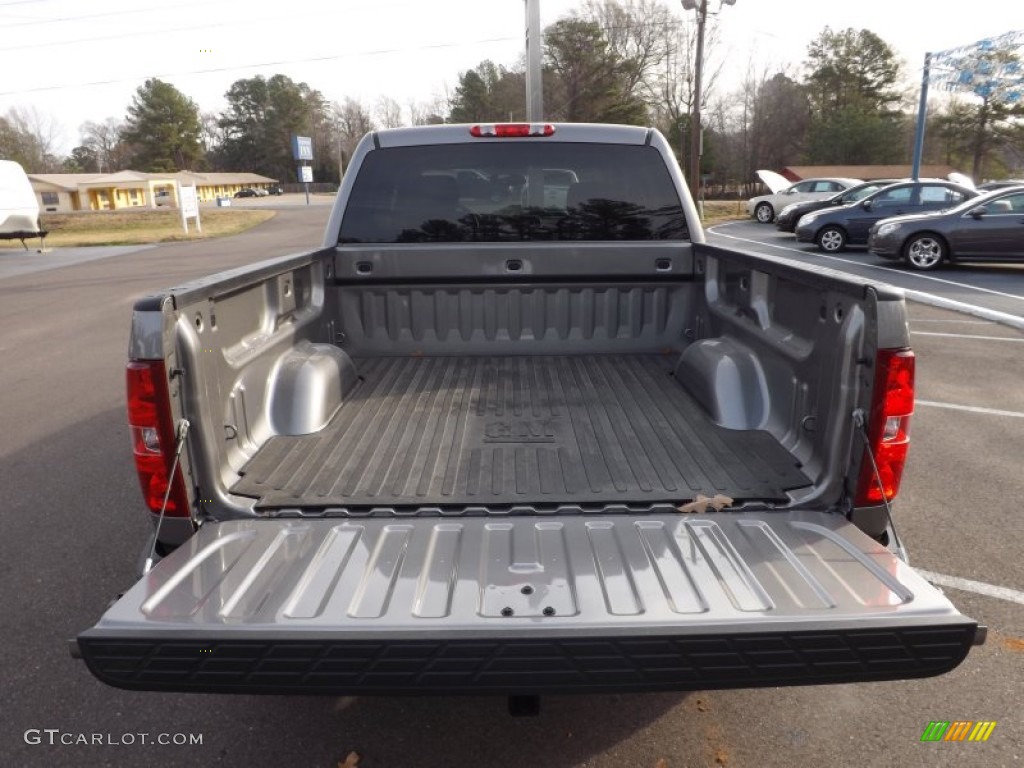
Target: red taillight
{"points": [[512, 130], [153, 437], [888, 426]]}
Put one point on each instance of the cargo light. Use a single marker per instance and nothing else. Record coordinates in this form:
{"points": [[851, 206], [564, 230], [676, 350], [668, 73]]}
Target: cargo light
{"points": [[153, 437], [512, 130], [888, 427]]}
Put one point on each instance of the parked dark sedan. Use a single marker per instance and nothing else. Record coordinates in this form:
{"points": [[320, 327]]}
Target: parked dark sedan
{"points": [[985, 228], [835, 228], [791, 214], [247, 192]]}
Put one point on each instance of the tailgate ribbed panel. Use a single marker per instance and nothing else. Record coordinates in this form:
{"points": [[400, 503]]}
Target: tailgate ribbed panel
{"points": [[517, 430], [526, 604], [468, 572]]}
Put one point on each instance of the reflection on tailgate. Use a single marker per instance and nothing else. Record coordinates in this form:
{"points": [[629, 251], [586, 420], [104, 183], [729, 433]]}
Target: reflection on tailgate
{"points": [[526, 604]]}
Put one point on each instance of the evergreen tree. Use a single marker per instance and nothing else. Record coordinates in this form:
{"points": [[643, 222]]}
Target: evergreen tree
{"points": [[589, 82], [163, 129], [489, 93], [854, 103], [261, 118]]}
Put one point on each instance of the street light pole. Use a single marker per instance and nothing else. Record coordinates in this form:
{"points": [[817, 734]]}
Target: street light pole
{"points": [[534, 58]]}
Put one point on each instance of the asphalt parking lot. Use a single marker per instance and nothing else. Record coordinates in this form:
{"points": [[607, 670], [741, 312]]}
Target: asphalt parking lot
{"points": [[73, 526]]}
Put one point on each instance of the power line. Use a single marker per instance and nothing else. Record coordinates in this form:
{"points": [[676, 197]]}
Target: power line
{"points": [[333, 57], [136, 11], [106, 15], [140, 33], [137, 34]]}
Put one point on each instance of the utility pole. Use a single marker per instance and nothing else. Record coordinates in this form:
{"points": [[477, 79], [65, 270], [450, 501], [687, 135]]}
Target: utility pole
{"points": [[693, 179], [696, 135], [534, 89]]}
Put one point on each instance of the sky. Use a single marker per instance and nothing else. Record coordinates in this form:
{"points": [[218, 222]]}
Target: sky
{"points": [[74, 61]]}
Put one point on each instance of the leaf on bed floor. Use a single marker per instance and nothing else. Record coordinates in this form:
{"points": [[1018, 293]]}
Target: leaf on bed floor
{"points": [[718, 502]]}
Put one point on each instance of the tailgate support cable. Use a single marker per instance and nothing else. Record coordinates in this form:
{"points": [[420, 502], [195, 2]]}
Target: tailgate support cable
{"points": [[183, 427], [858, 421]]}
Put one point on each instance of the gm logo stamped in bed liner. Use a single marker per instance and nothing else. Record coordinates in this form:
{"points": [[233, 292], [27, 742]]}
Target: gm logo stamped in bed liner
{"points": [[520, 431]]}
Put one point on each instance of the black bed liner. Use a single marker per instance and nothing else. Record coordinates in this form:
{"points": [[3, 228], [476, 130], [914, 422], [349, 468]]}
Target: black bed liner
{"points": [[517, 430]]}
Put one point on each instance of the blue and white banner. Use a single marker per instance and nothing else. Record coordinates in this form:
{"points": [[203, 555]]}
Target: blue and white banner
{"points": [[989, 68]]}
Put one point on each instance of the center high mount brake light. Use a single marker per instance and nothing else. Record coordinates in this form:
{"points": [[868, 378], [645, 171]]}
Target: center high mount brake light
{"points": [[512, 130]]}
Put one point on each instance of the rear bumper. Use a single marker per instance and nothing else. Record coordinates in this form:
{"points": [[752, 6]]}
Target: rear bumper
{"points": [[531, 604], [524, 665]]}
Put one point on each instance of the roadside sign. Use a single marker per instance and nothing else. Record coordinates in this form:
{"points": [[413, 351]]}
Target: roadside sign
{"points": [[302, 147], [188, 202], [307, 174]]}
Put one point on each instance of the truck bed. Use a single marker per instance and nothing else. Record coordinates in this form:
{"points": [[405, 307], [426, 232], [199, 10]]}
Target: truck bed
{"points": [[505, 431]]}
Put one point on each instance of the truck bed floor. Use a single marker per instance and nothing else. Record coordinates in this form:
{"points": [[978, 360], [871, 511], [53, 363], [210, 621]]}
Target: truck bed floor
{"points": [[429, 431]]}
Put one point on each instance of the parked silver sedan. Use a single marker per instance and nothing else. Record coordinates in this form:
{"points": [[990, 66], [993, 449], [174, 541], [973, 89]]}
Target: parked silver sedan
{"points": [[783, 193]]}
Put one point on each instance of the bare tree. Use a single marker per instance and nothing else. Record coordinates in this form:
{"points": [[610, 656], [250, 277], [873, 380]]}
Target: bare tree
{"points": [[671, 84], [388, 112], [33, 138], [352, 121], [762, 124], [105, 143], [430, 112], [212, 137], [639, 33]]}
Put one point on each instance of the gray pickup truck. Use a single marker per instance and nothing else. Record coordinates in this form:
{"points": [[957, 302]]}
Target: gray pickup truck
{"points": [[517, 429]]}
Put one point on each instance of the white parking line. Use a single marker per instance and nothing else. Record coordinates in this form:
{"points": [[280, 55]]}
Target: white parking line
{"points": [[995, 316], [956, 322], [978, 587], [965, 336], [970, 408]]}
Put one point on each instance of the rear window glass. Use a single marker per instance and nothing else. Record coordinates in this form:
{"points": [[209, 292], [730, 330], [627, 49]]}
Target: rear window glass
{"points": [[938, 194], [513, 191]]}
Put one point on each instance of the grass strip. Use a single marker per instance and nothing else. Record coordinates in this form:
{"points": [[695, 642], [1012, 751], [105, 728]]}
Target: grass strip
{"points": [[138, 227]]}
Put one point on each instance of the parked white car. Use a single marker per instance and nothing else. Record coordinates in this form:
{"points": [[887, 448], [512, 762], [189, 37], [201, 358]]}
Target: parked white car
{"points": [[764, 207]]}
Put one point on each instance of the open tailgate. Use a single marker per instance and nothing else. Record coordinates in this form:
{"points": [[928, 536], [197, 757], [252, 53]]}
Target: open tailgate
{"points": [[526, 604]]}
